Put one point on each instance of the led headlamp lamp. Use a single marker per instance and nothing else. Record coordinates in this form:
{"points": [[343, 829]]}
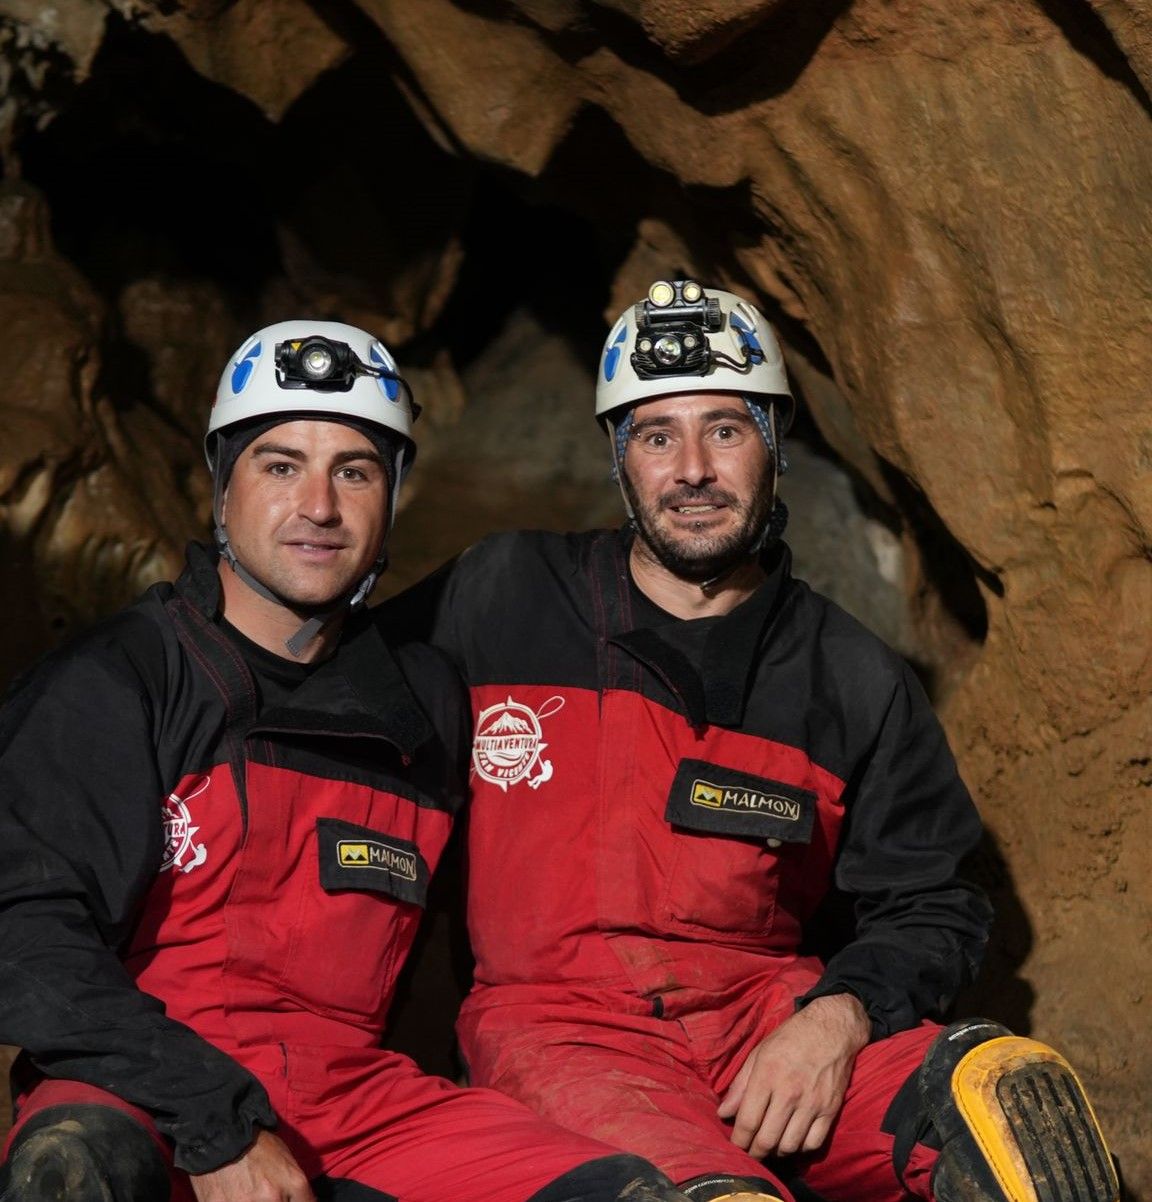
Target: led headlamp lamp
{"points": [[672, 328], [322, 364]]}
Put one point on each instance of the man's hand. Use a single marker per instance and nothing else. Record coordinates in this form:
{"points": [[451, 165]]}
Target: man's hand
{"points": [[267, 1172], [790, 1089]]}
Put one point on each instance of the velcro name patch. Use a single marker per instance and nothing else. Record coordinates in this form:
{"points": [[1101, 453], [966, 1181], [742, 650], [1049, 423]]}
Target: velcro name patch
{"points": [[356, 857], [721, 801]]}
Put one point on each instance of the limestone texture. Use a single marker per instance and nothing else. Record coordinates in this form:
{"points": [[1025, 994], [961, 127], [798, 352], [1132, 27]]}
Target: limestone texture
{"points": [[946, 209]]}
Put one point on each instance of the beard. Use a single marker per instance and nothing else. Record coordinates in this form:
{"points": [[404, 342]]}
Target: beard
{"points": [[697, 555]]}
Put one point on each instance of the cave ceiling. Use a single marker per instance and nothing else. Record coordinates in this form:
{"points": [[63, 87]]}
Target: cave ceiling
{"points": [[946, 210]]}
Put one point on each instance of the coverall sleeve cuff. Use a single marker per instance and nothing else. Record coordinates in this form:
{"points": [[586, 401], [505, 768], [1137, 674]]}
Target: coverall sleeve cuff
{"points": [[878, 1022], [212, 1149]]}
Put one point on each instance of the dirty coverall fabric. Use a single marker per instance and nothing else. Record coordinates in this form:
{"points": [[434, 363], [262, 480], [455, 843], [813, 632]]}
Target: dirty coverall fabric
{"points": [[659, 808], [205, 900]]}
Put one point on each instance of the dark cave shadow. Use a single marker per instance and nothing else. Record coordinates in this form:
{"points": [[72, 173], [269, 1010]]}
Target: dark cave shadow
{"points": [[557, 273], [349, 22], [947, 566], [153, 170], [528, 247], [437, 974], [1088, 34], [999, 991], [396, 209]]}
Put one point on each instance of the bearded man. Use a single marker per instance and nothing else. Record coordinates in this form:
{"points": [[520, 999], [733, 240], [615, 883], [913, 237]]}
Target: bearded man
{"points": [[679, 751]]}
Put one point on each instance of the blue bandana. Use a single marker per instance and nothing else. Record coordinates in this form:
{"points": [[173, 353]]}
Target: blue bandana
{"points": [[755, 407], [759, 411]]}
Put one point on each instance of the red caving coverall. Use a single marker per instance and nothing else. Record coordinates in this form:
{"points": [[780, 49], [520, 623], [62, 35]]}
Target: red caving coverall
{"points": [[205, 901], [659, 808]]}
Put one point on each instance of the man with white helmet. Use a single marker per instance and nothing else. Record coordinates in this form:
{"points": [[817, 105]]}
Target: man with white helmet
{"points": [[679, 752], [219, 812]]}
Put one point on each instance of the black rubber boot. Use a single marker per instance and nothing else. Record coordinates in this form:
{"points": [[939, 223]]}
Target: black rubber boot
{"points": [[84, 1154], [619, 1178], [716, 1187]]}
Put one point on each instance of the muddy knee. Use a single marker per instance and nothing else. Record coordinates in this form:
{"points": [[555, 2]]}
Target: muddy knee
{"points": [[1012, 1119], [83, 1153]]}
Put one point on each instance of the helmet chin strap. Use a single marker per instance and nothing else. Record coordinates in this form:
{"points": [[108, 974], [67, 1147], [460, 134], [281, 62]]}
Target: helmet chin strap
{"points": [[619, 433], [313, 625], [773, 529], [765, 418]]}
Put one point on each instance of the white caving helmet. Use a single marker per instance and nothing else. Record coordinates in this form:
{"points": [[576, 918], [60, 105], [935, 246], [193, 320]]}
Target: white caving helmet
{"points": [[315, 369], [685, 338]]}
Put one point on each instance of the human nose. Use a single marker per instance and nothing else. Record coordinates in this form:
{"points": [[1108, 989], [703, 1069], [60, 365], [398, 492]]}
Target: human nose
{"points": [[694, 463], [318, 500]]}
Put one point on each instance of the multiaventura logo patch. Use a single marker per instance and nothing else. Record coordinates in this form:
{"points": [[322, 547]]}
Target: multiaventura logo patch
{"points": [[509, 743]]}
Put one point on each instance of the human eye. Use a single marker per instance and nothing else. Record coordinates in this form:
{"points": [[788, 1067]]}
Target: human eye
{"points": [[359, 471], [654, 440], [728, 432], [280, 468]]}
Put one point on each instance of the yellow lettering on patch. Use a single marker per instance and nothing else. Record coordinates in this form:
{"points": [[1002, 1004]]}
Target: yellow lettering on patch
{"points": [[719, 797], [383, 856]]}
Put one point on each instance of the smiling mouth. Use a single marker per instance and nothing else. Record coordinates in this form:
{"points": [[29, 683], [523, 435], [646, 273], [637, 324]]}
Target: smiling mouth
{"points": [[695, 509]]}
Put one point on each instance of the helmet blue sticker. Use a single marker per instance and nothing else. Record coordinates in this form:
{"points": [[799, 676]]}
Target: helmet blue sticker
{"points": [[245, 366], [747, 333], [612, 354], [388, 385]]}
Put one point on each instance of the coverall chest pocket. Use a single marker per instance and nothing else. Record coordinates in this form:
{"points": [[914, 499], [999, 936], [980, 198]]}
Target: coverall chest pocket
{"points": [[358, 906], [734, 834]]}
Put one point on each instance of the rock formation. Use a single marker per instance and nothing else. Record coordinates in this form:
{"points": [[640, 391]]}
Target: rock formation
{"points": [[945, 208]]}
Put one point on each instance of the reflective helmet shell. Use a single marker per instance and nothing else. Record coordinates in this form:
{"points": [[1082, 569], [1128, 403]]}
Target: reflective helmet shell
{"points": [[249, 386], [744, 330]]}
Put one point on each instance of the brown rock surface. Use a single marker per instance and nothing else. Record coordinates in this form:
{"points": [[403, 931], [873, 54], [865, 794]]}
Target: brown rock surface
{"points": [[947, 208], [271, 53], [86, 517], [956, 209]]}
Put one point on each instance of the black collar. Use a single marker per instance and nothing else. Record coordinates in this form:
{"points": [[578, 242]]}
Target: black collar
{"points": [[716, 695], [199, 583], [359, 691]]}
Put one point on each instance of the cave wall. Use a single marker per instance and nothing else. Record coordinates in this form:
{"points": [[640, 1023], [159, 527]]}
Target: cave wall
{"points": [[946, 210]]}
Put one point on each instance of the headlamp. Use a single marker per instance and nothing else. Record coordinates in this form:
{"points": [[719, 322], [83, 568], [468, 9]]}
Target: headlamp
{"points": [[672, 328], [668, 349], [324, 365], [317, 362], [661, 293], [321, 364]]}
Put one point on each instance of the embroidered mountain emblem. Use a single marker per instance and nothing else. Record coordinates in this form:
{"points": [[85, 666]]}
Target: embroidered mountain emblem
{"points": [[508, 743]]}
